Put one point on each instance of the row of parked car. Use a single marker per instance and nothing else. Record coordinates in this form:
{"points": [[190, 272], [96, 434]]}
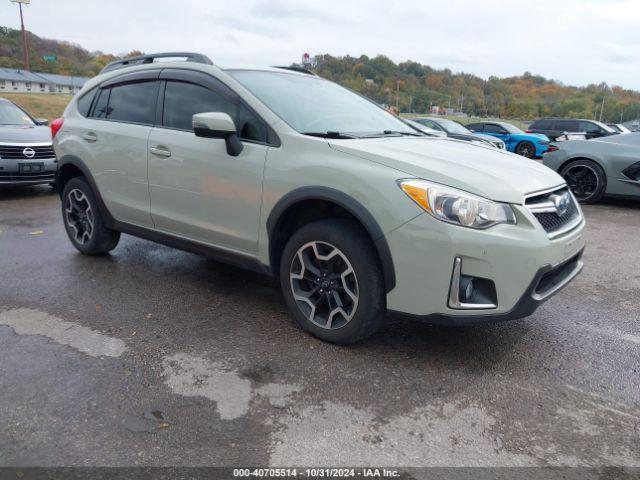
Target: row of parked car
{"points": [[595, 159]]}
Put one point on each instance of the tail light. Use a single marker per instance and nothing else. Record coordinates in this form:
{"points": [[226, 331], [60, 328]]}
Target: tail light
{"points": [[528, 131], [56, 125], [552, 148]]}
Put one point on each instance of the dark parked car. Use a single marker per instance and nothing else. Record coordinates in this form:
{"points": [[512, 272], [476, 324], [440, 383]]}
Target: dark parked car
{"points": [[26, 154], [556, 127], [455, 130]]}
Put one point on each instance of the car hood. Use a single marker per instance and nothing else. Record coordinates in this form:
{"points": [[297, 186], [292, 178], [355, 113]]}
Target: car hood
{"points": [[24, 134], [487, 172]]}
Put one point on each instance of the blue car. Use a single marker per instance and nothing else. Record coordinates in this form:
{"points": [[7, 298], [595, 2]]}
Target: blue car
{"points": [[530, 145]]}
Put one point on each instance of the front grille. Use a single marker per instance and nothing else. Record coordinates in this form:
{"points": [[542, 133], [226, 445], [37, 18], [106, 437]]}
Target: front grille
{"points": [[16, 152], [547, 208]]}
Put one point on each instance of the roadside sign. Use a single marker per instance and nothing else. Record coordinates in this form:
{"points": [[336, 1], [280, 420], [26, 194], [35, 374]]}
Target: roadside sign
{"points": [[50, 58]]}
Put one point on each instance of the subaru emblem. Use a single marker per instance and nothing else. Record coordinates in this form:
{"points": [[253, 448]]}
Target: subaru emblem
{"points": [[562, 203]]}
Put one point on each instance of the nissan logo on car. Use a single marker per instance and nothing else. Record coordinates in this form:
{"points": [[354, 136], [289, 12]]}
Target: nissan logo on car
{"points": [[29, 152]]}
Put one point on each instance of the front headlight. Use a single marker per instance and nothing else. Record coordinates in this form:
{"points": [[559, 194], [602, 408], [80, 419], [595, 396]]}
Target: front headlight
{"points": [[455, 206]]}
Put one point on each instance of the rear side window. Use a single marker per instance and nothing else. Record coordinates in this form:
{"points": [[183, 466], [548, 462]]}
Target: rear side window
{"points": [[84, 102], [476, 127], [182, 100], [542, 125], [129, 102], [566, 126]]}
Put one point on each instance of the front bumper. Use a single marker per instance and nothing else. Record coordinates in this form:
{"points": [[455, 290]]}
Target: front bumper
{"points": [[526, 266], [10, 173]]}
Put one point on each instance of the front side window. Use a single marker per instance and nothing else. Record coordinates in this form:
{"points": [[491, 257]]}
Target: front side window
{"points": [[454, 127], [310, 104], [493, 128], [183, 100], [129, 102]]}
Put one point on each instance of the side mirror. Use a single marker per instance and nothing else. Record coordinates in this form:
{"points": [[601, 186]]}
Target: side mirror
{"points": [[218, 125], [42, 121]]}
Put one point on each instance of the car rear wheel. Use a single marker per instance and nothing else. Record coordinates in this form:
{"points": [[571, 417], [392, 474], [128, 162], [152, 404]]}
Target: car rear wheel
{"points": [[526, 149], [586, 179], [83, 222], [332, 281]]}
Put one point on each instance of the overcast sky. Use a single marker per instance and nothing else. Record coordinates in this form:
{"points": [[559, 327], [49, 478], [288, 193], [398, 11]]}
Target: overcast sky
{"points": [[574, 41]]}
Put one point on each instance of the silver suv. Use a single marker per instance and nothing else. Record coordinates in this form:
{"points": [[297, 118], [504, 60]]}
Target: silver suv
{"points": [[285, 173]]}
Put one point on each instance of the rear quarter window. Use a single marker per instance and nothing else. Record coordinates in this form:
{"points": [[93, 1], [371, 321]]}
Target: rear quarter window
{"points": [[85, 101]]}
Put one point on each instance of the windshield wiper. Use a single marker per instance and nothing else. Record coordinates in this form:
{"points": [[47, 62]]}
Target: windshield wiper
{"points": [[395, 132], [329, 134]]}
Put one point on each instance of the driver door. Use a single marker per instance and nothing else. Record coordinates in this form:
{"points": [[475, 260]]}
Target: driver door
{"points": [[498, 132], [197, 190]]}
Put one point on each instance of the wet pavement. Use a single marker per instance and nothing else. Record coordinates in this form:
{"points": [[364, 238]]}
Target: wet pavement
{"points": [[152, 356]]}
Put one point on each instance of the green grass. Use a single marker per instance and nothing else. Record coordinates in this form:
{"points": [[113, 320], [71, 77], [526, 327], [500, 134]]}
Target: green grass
{"points": [[40, 105]]}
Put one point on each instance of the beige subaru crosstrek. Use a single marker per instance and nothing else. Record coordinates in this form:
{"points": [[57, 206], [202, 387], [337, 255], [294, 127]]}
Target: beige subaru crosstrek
{"points": [[283, 172]]}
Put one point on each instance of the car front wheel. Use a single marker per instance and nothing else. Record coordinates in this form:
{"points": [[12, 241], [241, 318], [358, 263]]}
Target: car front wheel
{"points": [[83, 222], [332, 281], [586, 179]]}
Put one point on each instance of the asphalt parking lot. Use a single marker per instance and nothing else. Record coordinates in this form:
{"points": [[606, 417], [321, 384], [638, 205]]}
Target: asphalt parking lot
{"points": [[152, 356]]}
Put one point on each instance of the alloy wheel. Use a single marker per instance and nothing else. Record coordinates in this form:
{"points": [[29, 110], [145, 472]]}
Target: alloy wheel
{"points": [[79, 216], [525, 150], [582, 180], [324, 285]]}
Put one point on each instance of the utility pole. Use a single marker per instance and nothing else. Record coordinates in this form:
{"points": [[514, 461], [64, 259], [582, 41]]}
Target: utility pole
{"points": [[398, 96], [25, 47], [601, 109]]}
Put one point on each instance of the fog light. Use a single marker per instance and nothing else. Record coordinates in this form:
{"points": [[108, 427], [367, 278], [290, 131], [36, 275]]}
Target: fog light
{"points": [[470, 293]]}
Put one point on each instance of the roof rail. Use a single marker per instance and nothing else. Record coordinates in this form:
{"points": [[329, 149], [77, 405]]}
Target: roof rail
{"points": [[296, 69], [144, 59]]}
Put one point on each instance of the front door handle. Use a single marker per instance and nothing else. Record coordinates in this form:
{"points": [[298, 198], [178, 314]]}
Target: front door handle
{"points": [[90, 137], [160, 152]]}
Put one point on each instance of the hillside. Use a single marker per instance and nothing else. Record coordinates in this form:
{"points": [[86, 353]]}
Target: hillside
{"points": [[71, 59], [527, 96]]}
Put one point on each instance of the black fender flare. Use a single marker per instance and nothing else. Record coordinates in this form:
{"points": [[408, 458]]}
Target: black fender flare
{"points": [[78, 163], [352, 206]]}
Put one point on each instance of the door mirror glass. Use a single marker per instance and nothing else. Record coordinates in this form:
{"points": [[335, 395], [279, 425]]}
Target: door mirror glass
{"points": [[218, 125]]}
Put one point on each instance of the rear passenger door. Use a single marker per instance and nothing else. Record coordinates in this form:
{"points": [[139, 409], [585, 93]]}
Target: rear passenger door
{"points": [[198, 191], [116, 135]]}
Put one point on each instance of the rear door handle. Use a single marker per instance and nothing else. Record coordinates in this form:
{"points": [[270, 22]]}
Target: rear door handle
{"points": [[90, 137], [160, 152]]}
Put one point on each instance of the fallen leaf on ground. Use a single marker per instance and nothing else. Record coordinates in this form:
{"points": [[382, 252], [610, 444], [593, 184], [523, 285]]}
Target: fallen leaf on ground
{"points": [[36, 232]]}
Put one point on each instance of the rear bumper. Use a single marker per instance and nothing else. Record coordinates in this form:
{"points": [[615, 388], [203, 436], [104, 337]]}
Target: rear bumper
{"points": [[547, 282]]}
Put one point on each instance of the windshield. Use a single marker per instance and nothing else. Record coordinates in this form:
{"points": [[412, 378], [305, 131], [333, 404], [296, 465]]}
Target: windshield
{"points": [[605, 127], [12, 115], [453, 127], [310, 104], [510, 128]]}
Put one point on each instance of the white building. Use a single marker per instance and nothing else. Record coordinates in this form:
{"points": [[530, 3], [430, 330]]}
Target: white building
{"points": [[22, 81]]}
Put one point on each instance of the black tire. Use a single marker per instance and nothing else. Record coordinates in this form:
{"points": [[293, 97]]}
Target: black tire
{"points": [[526, 149], [100, 240], [586, 179], [354, 246]]}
